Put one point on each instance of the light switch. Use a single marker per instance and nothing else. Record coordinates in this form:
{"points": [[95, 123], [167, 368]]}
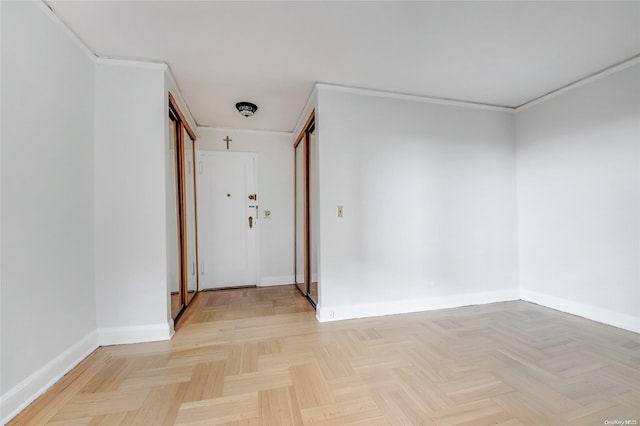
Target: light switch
{"points": [[339, 211], [267, 214]]}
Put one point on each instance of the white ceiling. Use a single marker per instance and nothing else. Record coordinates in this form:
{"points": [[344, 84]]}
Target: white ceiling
{"points": [[271, 53]]}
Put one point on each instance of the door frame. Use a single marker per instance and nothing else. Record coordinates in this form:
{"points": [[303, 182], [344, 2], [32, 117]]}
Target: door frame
{"points": [[303, 138], [253, 156], [182, 126]]}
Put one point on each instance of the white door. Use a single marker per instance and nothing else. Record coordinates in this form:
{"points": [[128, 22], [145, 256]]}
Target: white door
{"points": [[227, 219]]}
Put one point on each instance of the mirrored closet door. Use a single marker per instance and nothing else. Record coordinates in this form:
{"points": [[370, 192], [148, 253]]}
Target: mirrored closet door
{"points": [[173, 229], [306, 205], [190, 215], [183, 268], [300, 218], [314, 213]]}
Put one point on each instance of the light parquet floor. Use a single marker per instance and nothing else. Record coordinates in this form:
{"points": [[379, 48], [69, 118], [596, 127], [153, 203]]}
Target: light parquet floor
{"points": [[258, 357]]}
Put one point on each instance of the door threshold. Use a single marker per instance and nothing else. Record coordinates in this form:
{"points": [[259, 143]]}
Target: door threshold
{"points": [[230, 287]]}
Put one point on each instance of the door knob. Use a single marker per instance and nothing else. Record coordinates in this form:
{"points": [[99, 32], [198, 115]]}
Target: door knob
{"points": [[250, 222]]}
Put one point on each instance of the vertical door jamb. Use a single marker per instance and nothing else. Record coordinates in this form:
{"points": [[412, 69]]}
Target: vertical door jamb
{"points": [[303, 138], [181, 126]]}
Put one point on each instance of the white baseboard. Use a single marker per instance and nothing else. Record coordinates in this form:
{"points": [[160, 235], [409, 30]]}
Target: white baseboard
{"points": [[605, 316], [137, 334], [24, 393], [335, 313], [281, 280]]}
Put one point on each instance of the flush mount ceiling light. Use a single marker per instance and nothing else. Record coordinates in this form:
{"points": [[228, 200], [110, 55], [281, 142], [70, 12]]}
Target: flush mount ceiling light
{"points": [[246, 108]]}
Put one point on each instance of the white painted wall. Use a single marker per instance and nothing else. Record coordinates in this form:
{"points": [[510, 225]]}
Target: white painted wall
{"points": [[429, 202], [579, 200], [130, 202], [48, 298], [275, 193]]}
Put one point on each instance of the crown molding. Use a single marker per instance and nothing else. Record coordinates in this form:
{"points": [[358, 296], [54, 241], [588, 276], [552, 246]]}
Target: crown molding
{"points": [[251, 131], [73, 36], [634, 60], [410, 97], [103, 60], [46, 9]]}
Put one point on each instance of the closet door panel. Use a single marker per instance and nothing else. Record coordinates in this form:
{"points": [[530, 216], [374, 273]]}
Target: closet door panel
{"points": [[300, 240], [190, 217], [314, 213], [173, 227]]}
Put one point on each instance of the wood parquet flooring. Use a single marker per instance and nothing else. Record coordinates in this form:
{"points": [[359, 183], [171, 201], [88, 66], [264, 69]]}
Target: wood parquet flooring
{"points": [[258, 357]]}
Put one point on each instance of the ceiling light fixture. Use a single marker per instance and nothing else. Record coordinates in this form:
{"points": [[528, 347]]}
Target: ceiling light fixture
{"points": [[246, 108]]}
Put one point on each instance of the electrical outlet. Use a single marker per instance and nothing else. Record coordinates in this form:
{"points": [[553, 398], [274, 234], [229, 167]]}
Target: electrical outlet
{"points": [[267, 214], [331, 314], [339, 211]]}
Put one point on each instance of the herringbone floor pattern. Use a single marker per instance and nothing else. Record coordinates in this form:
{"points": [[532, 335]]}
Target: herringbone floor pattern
{"points": [[258, 357]]}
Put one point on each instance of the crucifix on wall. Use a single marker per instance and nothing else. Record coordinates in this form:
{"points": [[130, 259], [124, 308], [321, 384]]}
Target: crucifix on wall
{"points": [[227, 140]]}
